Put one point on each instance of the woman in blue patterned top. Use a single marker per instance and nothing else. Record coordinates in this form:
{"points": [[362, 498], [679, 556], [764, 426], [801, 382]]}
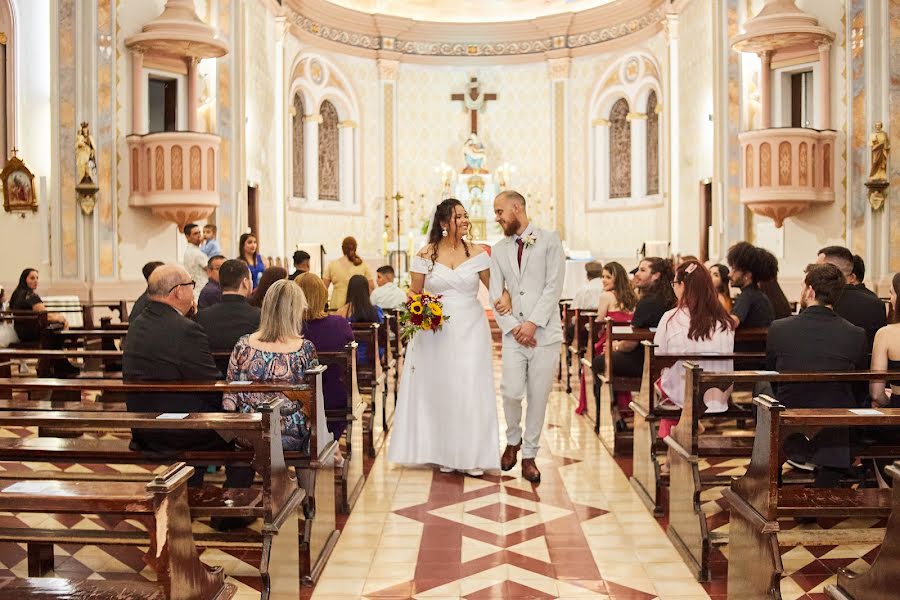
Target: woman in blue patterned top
{"points": [[276, 353]]}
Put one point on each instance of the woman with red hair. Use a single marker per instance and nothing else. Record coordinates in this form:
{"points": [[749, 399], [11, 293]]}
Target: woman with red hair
{"points": [[698, 324]]}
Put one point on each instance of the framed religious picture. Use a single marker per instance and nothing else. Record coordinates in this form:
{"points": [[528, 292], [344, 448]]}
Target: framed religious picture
{"points": [[18, 186]]}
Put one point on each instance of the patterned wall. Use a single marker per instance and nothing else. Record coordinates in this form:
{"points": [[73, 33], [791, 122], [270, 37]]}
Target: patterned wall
{"points": [[859, 127], [68, 211], [894, 129], [105, 135]]}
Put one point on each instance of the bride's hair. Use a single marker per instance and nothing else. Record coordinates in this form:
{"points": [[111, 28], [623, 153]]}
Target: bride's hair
{"points": [[443, 214]]}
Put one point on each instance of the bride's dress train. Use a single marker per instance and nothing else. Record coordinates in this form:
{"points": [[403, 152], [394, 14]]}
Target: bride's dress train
{"points": [[446, 408]]}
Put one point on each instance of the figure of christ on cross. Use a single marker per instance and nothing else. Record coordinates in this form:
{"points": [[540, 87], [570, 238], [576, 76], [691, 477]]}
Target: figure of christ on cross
{"points": [[474, 102]]}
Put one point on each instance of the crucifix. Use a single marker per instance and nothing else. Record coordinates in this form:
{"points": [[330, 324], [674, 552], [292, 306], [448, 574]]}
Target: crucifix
{"points": [[474, 100]]}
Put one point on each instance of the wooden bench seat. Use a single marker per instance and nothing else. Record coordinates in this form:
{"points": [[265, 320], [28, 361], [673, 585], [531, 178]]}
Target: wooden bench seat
{"points": [[687, 523], [63, 589], [161, 505], [262, 429], [646, 473], [371, 380], [757, 500]]}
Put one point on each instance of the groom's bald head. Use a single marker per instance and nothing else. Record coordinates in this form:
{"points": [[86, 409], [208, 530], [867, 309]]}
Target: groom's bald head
{"points": [[509, 212], [514, 197]]}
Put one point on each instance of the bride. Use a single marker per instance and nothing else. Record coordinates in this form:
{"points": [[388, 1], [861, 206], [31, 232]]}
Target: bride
{"points": [[446, 409]]}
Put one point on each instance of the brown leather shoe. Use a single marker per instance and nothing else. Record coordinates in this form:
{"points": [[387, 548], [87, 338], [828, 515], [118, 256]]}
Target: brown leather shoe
{"points": [[508, 460], [530, 470]]}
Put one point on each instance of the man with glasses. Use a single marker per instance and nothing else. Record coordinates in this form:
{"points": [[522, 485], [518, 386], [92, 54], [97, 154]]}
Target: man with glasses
{"points": [[163, 344], [212, 291]]}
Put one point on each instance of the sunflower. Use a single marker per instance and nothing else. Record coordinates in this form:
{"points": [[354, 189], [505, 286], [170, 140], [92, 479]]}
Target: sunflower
{"points": [[426, 324], [416, 308], [435, 309]]}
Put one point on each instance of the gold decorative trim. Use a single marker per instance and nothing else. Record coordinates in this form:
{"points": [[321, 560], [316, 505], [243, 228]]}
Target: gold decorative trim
{"points": [[600, 123], [347, 125], [636, 116], [292, 110], [3, 38], [659, 108], [314, 118]]}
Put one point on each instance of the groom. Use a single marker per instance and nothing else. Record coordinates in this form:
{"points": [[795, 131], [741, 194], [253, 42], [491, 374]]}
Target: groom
{"points": [[529, 263]]}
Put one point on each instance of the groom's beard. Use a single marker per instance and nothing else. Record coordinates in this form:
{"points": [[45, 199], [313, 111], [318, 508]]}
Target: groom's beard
{"points": [[511, 227]]}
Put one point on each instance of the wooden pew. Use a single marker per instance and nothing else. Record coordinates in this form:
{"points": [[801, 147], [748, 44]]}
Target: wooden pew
{"points": [[576, 349], [161, 504], [757, 500], [315, 472], [647, 479], [349, 478], [565, 315], [586, 367], [88, 314], [618, 443], [371, 378], [882, 580]]}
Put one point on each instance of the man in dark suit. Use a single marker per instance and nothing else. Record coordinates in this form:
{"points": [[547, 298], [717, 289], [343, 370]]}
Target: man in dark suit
{"points": [[818, 339], [163, 344], [233, 317], [857, 304]]}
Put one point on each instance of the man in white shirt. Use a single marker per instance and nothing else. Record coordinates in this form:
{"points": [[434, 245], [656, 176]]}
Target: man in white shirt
{"points": [[194, 260], [387, 295], [588, 297]]}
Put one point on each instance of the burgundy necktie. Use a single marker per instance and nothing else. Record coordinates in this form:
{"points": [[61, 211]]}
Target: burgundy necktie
{"points": [[521, 244]]}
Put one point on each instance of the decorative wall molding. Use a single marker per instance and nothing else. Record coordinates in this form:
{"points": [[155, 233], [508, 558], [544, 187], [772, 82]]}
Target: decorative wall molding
{"points": [[372, 35]]}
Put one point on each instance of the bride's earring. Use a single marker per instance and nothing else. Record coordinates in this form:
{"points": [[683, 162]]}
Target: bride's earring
{"points": [[444, 232]]}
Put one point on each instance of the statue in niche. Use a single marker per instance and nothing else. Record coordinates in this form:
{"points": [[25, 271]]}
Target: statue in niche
{"points": [[881, 148], [473, 151], [85, 155]]}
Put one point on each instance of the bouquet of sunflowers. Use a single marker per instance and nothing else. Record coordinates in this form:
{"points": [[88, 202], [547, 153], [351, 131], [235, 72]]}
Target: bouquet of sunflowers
{"points": [[424, 312]]}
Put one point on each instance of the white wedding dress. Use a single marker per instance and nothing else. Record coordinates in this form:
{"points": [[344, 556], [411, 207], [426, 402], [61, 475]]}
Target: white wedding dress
{"points": [[446, 408]]}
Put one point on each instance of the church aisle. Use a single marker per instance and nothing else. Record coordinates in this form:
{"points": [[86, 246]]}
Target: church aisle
{"points": [[582, 533]]}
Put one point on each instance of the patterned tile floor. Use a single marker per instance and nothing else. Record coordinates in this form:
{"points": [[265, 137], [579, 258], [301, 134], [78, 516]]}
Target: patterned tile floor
{"points": [[417, 533]]}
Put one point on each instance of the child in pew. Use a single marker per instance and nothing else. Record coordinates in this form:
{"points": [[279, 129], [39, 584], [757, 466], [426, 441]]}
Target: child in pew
{"points": [[698, 324]]}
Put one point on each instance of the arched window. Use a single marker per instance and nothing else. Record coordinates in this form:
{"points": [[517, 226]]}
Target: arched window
{"points": [[299, 154], [329, 153], [652, 146], [619, 151]]}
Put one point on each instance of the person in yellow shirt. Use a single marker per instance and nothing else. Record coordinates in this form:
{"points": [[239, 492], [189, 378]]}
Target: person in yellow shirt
{"points": [[338, 273]]}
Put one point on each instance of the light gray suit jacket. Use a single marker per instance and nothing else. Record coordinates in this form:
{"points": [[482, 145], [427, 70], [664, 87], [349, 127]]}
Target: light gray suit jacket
{"points": [[535, 289]]}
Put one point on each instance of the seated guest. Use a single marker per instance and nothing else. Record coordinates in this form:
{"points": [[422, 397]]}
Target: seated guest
{"points": [[719, 274], [194, 260], [858, 274], [617, 301], [143, 300], [818, 339], [699, 324], [653, 279], [25, 298], [359, 309], [269, 276], [328, 333], [301, 264], [212, 291], [588, 296], [233, 317], [388, 294], [769, 286], [886, 355], [857, 304], [749, 265], [164, 345], [276, 353]]}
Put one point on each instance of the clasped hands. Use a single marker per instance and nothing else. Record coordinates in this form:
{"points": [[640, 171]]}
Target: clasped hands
{"points": [[524, 332]]}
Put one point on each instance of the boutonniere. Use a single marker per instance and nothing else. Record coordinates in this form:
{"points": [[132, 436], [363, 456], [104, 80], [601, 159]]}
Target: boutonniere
{"points": [[529, 240]]}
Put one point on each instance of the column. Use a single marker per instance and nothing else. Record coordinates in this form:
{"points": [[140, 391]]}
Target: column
{"points": [[638, 154], [673, 98], [311, 148], [559, 80], [601, 161], [347, 148], [192, 93], [765, 91], [824, 87], [138, 120], [388, 73], [281, 100]]}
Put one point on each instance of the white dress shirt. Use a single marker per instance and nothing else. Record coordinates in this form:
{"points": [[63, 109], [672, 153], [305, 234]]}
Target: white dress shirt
{"points": [[388, 296], [195, 263], [588, 297]]}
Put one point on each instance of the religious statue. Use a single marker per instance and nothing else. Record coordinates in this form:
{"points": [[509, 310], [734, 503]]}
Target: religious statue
{"points": [[473, 151], [85, 155], [881, 148], [878, 181]]}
